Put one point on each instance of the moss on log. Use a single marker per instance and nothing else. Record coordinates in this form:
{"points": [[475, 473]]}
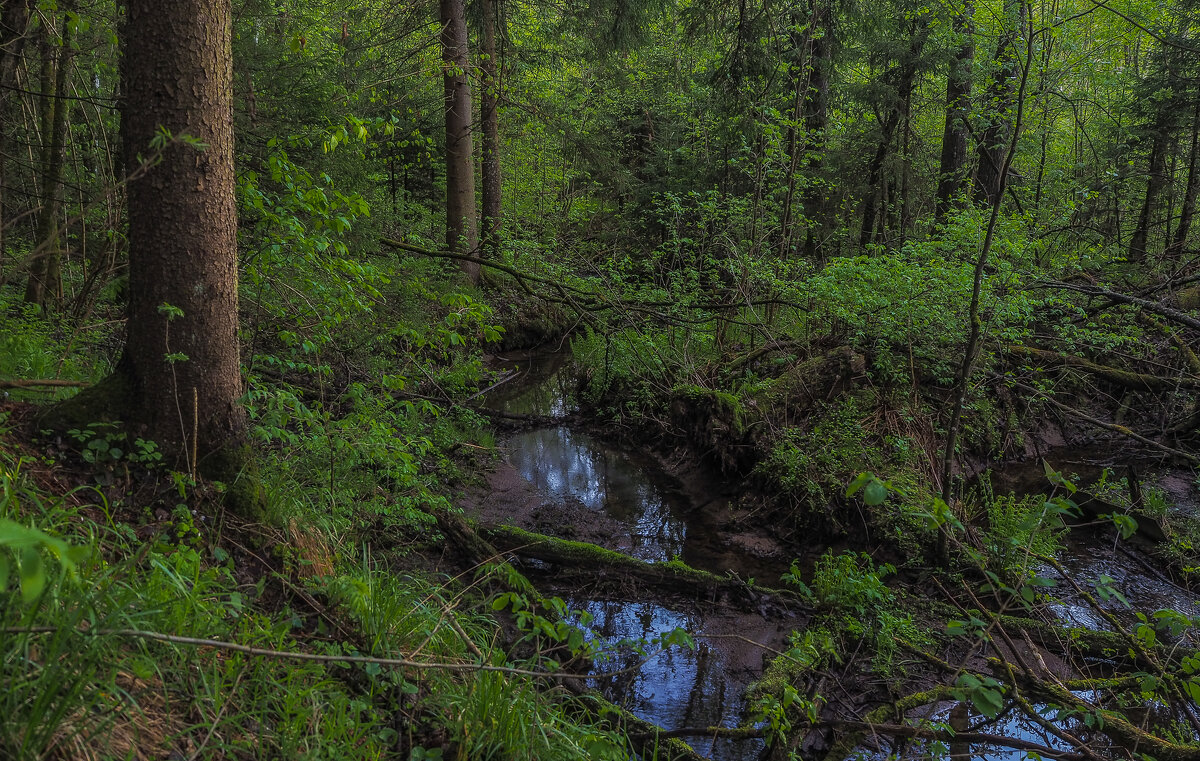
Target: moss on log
{"points": [[1126, 378], [672, 577]]}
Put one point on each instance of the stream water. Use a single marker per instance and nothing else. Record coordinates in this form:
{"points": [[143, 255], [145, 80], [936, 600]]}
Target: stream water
{"points": [[652, 516], [639, 508]]}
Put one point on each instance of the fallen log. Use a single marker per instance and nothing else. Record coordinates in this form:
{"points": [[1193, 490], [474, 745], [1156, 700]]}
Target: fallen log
{"points": [[643, 736], [1126, 378], [672, 576]]}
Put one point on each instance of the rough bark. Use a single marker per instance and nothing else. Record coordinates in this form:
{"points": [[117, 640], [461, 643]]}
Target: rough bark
{"points": [[183, 371], [490, 115], [952, 171], [462, 233]]}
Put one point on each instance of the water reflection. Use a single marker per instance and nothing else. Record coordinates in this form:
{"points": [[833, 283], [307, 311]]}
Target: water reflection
{"points": [[566, 464], [1089, 558], [1011, 723], [538, 385], [680, 687]]}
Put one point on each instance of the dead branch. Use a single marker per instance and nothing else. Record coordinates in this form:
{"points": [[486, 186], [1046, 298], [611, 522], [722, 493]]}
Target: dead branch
{"points": [[47, 382]]}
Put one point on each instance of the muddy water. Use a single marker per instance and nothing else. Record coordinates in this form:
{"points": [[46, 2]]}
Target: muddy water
{"points": [[640, 509]]}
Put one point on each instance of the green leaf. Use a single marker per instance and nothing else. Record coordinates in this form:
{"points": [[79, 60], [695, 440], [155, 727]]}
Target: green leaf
{"points": [[5, 571], [875, 493], [33, 575], [859, 482]]}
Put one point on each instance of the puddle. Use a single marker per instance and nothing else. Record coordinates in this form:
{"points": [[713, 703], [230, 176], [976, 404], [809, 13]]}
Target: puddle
{"points": [[1011, 723], [1088, 558], [539, 384], [1091, 554]]}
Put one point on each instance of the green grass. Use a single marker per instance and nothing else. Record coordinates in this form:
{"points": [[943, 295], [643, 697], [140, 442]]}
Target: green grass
{"points": [[74, 691]]}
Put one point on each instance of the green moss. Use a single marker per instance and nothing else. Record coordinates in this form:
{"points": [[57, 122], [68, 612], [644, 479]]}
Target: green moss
{"points": [[236, 465]]}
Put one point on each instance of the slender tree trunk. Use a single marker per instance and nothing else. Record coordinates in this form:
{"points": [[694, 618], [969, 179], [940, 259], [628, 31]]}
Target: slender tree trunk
{"points": [[952, 172], [1155, 183], [874, 179], [490, 113], [816, 116], [1001, 94], [1188, 211], [14, 21], [900, 77], [181, 358], [462, 232], [800, 82], [975, 334], [45, 274], [906, 172]]}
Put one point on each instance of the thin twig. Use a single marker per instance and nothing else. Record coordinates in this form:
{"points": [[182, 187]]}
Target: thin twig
{"points": [[294, 655]]}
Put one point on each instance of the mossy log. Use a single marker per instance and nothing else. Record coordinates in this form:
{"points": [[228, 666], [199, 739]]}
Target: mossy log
{"points": [[1115, 725], [1094, 507], [1091, 643], [673, 577], [736, 427], [648, 739], [1125, 378]]}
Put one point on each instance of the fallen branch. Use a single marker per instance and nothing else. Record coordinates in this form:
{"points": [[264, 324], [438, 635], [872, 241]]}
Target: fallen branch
{"points": [[598, 301], [1107, 426], [729, 733], [1173, 315], [263, 652], [673, 576], [49, 382], [1127, 378]]}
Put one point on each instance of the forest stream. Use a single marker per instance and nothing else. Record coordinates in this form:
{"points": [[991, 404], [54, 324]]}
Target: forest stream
{"points": [[559, 480]]}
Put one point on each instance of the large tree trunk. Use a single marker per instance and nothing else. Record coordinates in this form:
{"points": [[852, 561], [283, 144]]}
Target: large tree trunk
{"points": [[1001, 94], [952, 172], [461, 225], [490, 114], [14, 20], [45, 278], [181, 355]]}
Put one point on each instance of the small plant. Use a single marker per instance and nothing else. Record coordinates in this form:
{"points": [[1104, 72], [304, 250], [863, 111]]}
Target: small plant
{"points": [[850, 588]]}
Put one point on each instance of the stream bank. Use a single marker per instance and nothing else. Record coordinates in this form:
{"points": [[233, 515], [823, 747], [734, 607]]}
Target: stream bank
{"points": [[559, 479]]}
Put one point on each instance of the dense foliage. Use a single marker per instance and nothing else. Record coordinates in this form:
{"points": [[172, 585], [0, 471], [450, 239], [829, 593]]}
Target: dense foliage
{"points": [[749, 223]]}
